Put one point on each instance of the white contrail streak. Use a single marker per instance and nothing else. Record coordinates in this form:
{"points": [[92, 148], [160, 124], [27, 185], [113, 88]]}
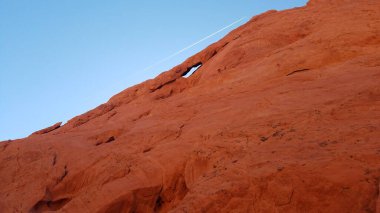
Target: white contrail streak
{"points": [[192, 45]]}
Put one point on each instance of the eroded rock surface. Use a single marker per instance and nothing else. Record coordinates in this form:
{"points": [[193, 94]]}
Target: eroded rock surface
{"points": [[48, 129], [282, 116]]}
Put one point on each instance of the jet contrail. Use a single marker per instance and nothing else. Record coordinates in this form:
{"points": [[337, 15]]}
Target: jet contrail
{"points": [[192, 45]]}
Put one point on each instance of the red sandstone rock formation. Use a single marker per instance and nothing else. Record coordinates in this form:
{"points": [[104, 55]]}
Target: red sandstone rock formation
{"points": [[48, 129], [282, 116]]}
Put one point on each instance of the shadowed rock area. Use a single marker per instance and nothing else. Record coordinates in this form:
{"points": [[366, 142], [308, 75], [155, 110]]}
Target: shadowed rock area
{"points": [[282, 116]]}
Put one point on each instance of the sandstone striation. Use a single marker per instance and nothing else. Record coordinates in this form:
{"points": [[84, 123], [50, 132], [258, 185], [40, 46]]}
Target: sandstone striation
{"points": [[282, 116]]}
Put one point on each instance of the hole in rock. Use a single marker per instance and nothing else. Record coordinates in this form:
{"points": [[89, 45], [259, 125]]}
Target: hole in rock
{"points": [[49, 205], [110, 139], [147, 150], [192, 70], [159, 203]]}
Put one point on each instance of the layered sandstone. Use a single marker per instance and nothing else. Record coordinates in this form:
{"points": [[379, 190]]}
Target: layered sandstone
{"points": [[282, 116]]}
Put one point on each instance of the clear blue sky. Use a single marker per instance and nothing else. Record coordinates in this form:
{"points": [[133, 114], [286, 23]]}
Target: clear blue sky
{"points": [[62, 58]]}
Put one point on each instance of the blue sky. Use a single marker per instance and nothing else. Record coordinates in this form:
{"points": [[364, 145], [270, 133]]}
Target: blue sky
{"points": [[62, 58]]}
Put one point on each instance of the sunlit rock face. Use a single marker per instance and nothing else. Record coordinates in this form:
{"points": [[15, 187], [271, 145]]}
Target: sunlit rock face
{"points": [[283, 115]]}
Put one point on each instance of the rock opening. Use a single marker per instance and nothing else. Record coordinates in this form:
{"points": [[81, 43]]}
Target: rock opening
{"points": [[49, 205], [190, 71]]}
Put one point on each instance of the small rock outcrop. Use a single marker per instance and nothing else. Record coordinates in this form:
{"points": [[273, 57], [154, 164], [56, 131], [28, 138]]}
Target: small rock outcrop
{"points": [[48, 129]]}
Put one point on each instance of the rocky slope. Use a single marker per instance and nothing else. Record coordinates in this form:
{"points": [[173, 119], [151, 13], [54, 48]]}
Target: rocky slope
{"points": [[282, 116]]}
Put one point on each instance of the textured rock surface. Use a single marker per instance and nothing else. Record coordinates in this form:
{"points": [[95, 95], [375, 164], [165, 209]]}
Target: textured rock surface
{"points": [[48, 129], [283, 116]]}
